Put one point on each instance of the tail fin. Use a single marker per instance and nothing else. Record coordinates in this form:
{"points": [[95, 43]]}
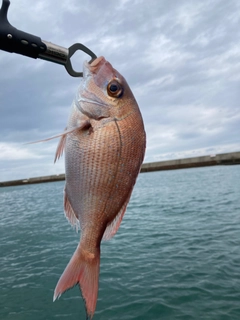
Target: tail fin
{"points": [[83, 268]]}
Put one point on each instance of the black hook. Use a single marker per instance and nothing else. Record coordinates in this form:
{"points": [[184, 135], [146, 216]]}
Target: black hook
{"points": [[14, 40], [4, 10]]}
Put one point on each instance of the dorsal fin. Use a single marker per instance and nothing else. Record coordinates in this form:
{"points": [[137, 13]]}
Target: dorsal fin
{"points": [[114, 225]]}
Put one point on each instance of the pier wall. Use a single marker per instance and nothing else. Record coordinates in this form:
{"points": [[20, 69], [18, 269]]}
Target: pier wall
{"points": [[203, 161]]}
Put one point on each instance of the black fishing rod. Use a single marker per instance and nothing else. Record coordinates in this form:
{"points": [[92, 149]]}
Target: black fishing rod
{"points": [[14, 40]]}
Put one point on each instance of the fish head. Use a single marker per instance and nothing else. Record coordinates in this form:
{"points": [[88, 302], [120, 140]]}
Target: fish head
{"points": [[104, 93]]}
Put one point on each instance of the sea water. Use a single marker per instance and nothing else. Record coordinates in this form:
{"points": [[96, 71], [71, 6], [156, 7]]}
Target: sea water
{"points": [[175, 256]]}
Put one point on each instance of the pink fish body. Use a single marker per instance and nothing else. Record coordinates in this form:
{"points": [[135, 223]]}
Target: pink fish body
{"points": [[104, 148]]}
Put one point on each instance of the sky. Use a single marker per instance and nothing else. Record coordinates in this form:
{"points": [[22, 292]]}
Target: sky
{"points": [[181, 59]]}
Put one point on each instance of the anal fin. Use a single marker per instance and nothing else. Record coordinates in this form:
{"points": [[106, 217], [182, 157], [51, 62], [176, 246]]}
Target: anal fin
{"points": [[69, 212]]}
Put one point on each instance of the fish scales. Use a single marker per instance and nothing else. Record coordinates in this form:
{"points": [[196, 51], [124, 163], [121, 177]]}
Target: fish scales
{"points": [[104, 166]]}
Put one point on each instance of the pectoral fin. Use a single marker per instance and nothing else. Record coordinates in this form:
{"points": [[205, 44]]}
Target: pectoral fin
{"points": [[61, 145], [83, 124]]}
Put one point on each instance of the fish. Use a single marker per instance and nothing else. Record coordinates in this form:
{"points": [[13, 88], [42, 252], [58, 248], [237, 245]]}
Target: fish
{"points": [[104, 145]]}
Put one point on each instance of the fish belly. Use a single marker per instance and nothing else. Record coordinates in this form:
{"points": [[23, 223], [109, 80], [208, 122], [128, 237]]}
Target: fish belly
{"points": [[102, 163]]}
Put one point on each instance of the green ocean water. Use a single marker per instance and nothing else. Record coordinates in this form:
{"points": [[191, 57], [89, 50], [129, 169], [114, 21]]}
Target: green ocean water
{"points": [[175, 256]]}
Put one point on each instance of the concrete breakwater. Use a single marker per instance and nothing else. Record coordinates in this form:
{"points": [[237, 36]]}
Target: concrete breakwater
{"points": [[203, 161]]}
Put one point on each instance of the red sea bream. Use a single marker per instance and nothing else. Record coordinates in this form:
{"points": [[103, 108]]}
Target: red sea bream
{"points": [[104, 145]]}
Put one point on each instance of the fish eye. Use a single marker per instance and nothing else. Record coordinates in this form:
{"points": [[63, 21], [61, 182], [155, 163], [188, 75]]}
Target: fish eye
{"points": [[115, 89]]}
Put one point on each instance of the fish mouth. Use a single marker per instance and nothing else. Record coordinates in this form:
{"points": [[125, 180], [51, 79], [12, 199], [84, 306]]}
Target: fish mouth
{"points": [[93, 67], [95, 62]]}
